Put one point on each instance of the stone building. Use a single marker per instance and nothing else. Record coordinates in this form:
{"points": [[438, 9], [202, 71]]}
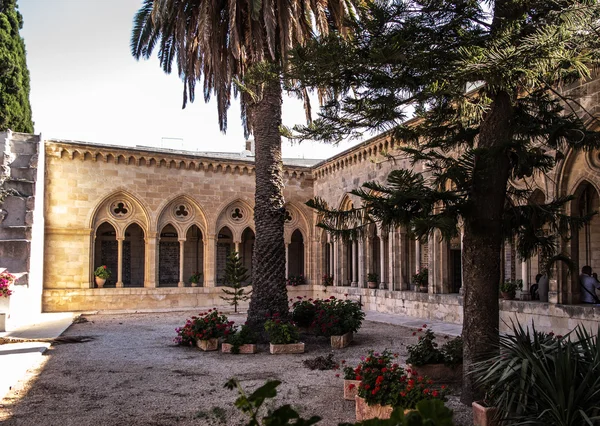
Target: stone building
{"points": [[157, 216]]}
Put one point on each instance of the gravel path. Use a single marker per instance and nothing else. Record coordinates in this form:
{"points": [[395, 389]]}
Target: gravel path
{"points": [[133, 374]]}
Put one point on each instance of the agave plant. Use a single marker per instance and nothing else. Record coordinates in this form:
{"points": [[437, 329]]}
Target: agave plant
{"points": [[539, 379]]}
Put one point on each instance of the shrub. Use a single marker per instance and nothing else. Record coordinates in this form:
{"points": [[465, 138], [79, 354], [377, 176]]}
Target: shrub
{"points": [[372, 277], [281, 332], [511, 286], [386, 383], [540, 378], [207, 325], [196, 277], [327, 280], [295, 280], [421, 278], [335, 317], [303, 312], [240, 336], [426, 351]]}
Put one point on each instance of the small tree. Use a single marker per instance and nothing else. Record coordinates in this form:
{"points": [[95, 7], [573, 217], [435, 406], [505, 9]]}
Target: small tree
{"points": [[235, 276]]}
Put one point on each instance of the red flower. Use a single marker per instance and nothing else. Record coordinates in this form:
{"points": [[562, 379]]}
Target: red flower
{"points": [[414, 333], [337, 375], [435, 394], [424, 325], [402, 394], [351, 386]]}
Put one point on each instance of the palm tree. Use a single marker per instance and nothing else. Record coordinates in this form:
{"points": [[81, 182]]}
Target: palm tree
{"points": [[241, 47]]}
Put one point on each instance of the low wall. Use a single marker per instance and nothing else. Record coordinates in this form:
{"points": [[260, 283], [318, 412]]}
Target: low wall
{"points": [[440, 307]]}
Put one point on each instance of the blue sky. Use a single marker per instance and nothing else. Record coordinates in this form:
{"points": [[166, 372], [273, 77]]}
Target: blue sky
{"points": [[86, 86]]}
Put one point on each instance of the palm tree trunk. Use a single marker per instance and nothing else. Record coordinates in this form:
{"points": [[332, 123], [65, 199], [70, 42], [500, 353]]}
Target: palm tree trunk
{"points": [[269, 292], [482, 241]]}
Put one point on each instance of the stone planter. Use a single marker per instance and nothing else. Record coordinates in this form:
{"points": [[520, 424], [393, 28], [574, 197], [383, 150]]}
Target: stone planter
{"points": [[484, 416], [2, 322], [208, 345], [100, 281], [351, 389], [290, 348], [372, 284], [439, 373], [244, 349], [339, 342], [365, 411]]}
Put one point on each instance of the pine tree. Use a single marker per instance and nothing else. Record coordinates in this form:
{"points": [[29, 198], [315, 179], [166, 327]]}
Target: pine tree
{"points": [[481, 78], [15, 110], [235, 277]]}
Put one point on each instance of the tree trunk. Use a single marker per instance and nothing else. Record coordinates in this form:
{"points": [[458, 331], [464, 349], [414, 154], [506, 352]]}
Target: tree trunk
{"points": [[482, 240], [269, 292]]}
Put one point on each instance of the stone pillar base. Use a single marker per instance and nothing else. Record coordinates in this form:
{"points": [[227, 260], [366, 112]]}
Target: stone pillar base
{"points": [[354, 284], [382, 286]]}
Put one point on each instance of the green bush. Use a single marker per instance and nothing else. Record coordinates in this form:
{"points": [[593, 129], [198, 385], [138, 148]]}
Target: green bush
{"points": [[303, 312], [426, 350], [543, 379], [334, 317], [281, 332], [240, 336]]}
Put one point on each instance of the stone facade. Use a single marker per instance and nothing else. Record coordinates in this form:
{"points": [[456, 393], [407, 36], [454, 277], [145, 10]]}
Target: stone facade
{"points": [[155, 217]]}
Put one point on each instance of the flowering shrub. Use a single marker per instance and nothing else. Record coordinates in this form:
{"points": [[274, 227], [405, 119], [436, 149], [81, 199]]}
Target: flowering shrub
{"points": [[281, 332], [207, 325], [386, 383], [426, 350], [421, 278], [303, 311], [295, 280], [6, 280], [102, 272], [327, 280], [334, 317]]}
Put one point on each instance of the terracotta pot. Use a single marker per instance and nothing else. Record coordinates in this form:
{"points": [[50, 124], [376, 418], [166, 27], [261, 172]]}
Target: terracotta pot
{"points": [[244, 349], [339, 342], [291, 348], [423, 289], [507, 296], [208, 344], [372, 284], [351, 389], [439, 373], [100, 281], [484, 416]]}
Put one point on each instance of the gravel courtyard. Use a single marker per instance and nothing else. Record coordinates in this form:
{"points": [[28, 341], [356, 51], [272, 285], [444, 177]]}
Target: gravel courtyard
{"points": [[133, 374]]}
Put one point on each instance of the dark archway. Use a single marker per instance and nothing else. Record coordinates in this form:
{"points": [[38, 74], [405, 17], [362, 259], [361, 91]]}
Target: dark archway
{"points": [[193, 262], [106, 251], [168, 257], [296, 254], [134, 255]]}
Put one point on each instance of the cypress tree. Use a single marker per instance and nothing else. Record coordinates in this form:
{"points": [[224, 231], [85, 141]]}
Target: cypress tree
{"points": [[15, 110]]}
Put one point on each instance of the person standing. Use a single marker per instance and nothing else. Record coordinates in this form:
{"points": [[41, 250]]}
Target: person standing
{"points": [[589, 285]]}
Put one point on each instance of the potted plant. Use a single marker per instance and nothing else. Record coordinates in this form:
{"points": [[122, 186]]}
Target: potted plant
{"points": [[6, 280], [204, 330], [421, 280], [444, 365], [337, 319], [284, 337], [352, 378], [303, 313], [372, 279], [385, 385], [240, 341], [295, 280], [508, 288], [327, 280], [101, 274], [195, 279]]}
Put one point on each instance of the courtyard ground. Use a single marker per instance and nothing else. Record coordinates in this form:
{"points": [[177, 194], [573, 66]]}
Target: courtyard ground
{"points": [[133, 374]]}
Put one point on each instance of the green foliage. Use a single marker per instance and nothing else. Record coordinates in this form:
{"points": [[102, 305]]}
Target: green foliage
{"points": [[235, 277], [303, 312], [240, 336], [196, 277], [373, 277], [15, 110], [422, 277], [102, 272], [539, 378], [334, 317], [426, 350], [426, 413], [281, 332], [511, 286]]}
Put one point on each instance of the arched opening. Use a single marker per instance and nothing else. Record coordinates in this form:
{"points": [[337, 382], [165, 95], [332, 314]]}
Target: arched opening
{"points": [[168, 257], [224, 247], [296, 255], [247, 250], [134, 254], [193, 262], [374, 253], [106, 251]]}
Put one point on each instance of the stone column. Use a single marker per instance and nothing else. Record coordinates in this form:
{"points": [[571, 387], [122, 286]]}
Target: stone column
{"points": [[336, 272], [524, 275], [181, 259], [433, 265], [330, 269], [237, 247], [392, 261], [417, 256], [368, 259], [361, 263], [151, 260], [210, 253], [354, 263], [403, 268], [287, 260], [382, 262], [120, 262]]}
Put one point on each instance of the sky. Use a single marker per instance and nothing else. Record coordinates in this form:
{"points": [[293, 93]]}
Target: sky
{"points": [[86, 86]]}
